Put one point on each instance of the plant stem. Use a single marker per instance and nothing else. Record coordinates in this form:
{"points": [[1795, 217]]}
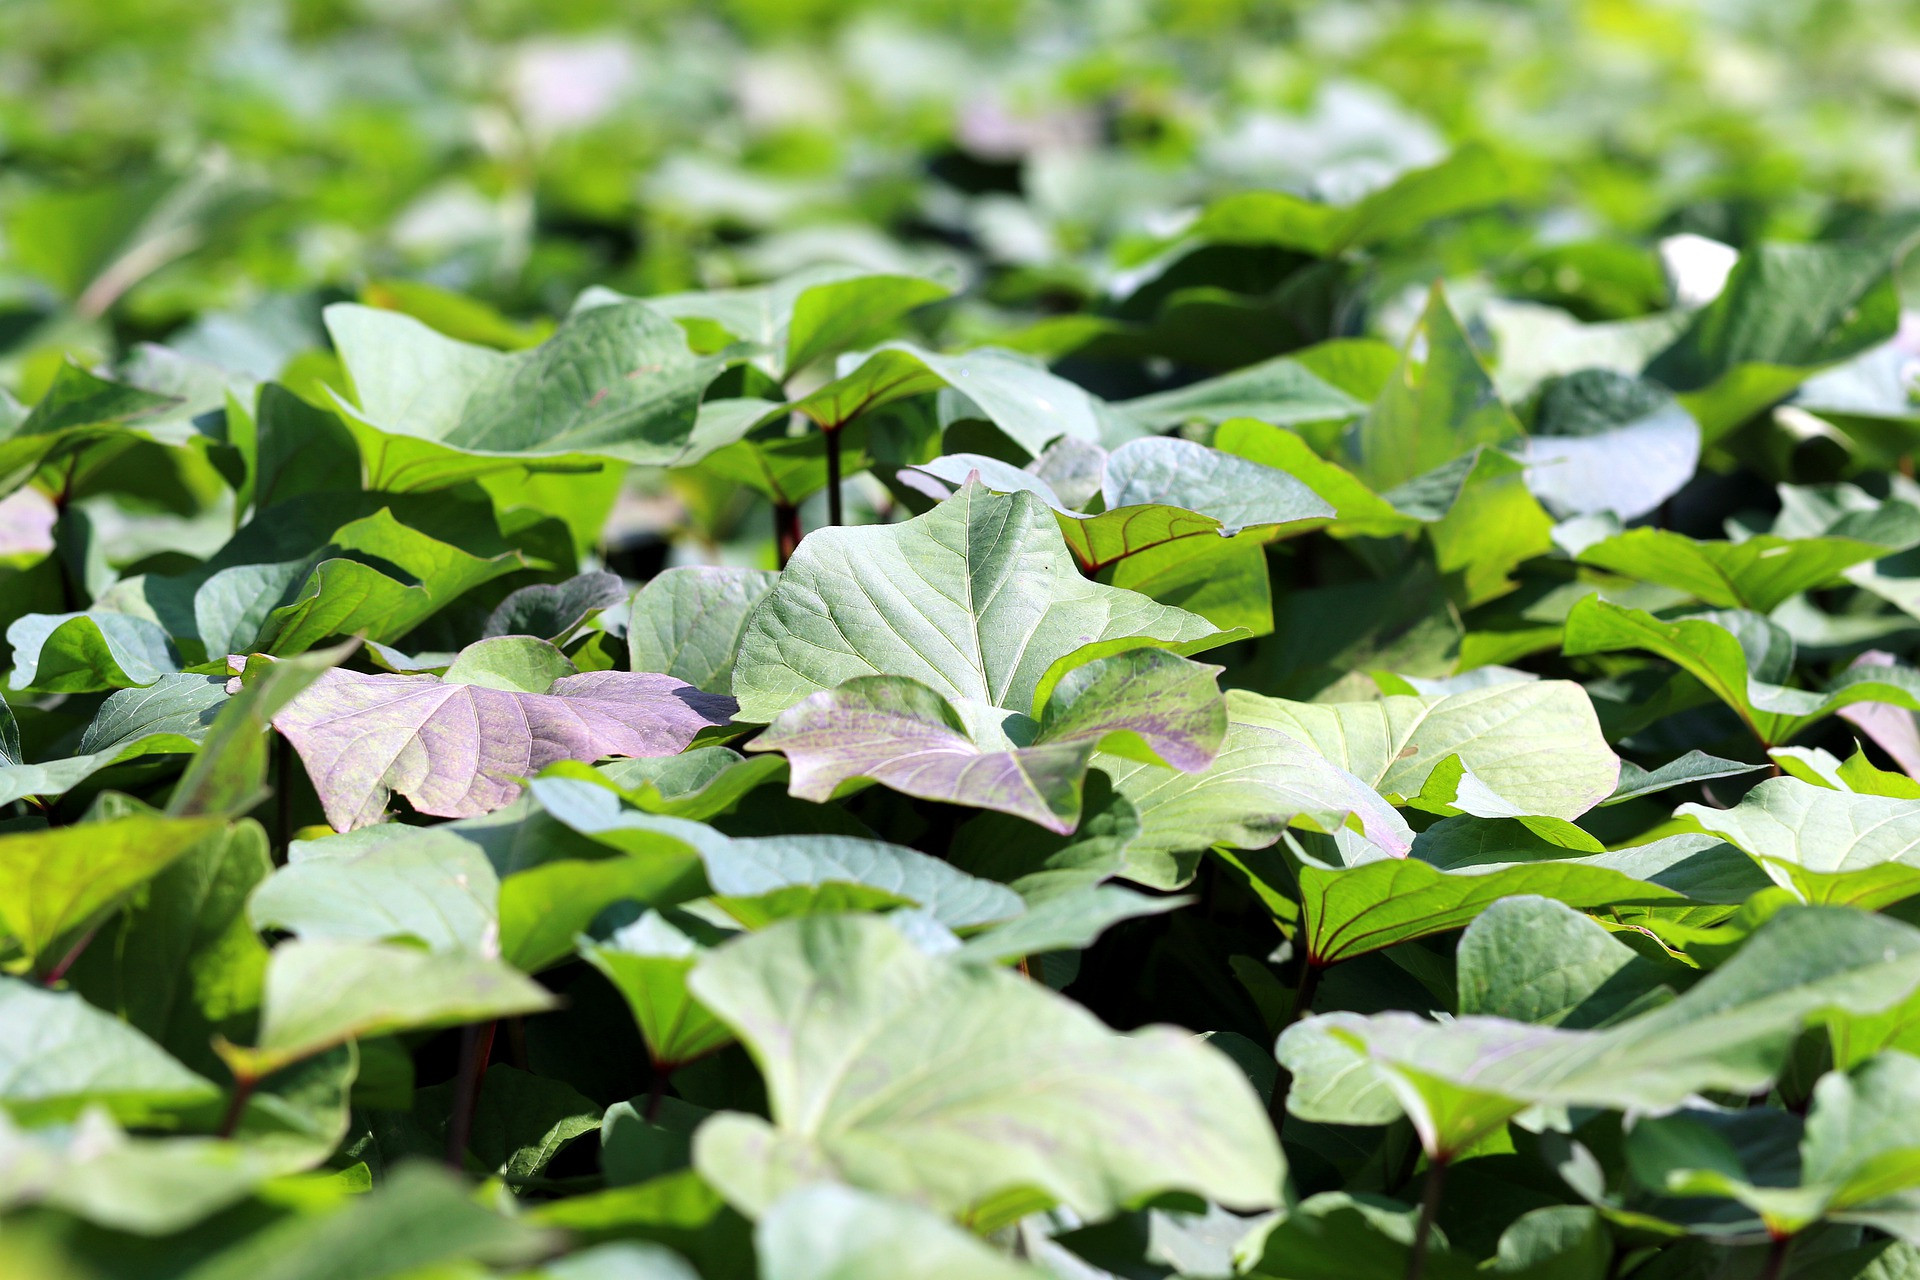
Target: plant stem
{"points": [[656, 1090], [1429, 1209], [243, 1087], [1303, 992], [282, 799], [786, 532], [835, 514], [59, 971], [1777, 1258], [476, 1047]]}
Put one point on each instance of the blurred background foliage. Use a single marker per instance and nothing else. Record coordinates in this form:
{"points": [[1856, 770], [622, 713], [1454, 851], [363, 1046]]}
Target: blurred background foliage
{"points": [[210, 174]]}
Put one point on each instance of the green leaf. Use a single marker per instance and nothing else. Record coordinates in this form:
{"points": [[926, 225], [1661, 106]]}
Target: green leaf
{"points": [[840, 314], [552, 611], [1358, 510], [385, 884], [179, 961], [1378, 901], [614, 382], [1261, 782], [145, 1186], [418, 1218], [344, 596], [1461, 1080], [1182, 523], [1694, 766], [648, 962], [1535, 744], [1822, 845], [1491, 527], [838, 1233], [687, 623], [54, 881], [323, 993], [1740, 658], [873, 1052], [299, 449], [1787, 311], [1858, 1159], [59, 1055], [1531, 959], [80, 411], [229, 774], [804, 316], [1470, 178], [1031, 406], [1281, 391], [1602, 441], [1758, 574], [700, 784], [523, 1120], [795, 868], [1862, 1144], [1436, 407], [171, 715], [1146, 704], [1337, 1236], [978, 599], [1154, 487], [88, 652], [1067, 919]]}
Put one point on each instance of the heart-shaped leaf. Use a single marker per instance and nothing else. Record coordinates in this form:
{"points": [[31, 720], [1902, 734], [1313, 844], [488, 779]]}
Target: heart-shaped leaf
{"points": [[1147, 704], [841, 1015], [687, 623], [978, 600]]}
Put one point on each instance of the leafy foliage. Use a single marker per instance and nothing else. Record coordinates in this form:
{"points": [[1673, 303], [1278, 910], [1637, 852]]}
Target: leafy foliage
{"points": [[1047, 639]]}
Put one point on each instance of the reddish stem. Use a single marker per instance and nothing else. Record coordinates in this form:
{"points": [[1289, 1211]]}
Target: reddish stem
{"points": [[476, 1047], [59, 971], [786, 532], [243, 1087]]}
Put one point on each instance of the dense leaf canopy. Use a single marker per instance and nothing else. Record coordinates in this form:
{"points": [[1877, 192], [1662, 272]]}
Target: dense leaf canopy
{"points": [[1032, 640]]}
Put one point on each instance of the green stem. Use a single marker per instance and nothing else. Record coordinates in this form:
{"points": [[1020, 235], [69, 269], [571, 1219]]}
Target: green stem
{"points": [[1303, 993], [1429, 1209], [835, 513]]}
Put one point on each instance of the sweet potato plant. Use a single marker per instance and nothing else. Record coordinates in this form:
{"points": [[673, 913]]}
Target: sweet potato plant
{"points": [[1325, 733]]}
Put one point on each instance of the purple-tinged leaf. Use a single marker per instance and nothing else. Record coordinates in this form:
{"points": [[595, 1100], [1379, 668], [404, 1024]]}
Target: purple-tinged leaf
{"points": [[460, 750], [1147, 705]]}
